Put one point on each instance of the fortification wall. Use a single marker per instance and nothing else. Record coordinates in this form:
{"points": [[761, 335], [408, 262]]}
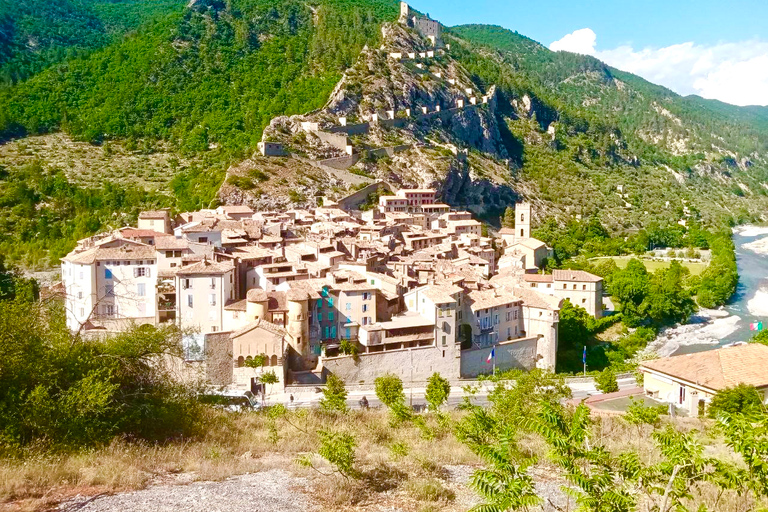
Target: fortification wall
{"points": [[351, 129], [520, 354], [354, 199], [389, 151], [366, 367], [337, 140], [341, 162]]}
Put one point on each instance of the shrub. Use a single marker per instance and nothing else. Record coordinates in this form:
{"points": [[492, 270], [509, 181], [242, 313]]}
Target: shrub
{"points": [[389, 389], [438, 390], [349, 348], [638, 413], [334, 395], [735, 400], [605, 381]]}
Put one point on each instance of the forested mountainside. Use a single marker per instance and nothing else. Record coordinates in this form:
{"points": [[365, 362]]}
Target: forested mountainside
{"points": [[37, 33], [203, 79]]}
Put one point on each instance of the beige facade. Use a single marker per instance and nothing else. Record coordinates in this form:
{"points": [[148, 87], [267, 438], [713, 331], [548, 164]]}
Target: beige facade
{"points": [[202, 291]]}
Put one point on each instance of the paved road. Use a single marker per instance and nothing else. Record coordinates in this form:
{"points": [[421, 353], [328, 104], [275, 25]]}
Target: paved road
{"points": [[310, 396]]}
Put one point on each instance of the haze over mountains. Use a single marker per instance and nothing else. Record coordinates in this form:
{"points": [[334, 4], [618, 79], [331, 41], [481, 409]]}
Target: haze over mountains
{"points": [[198, 82]]}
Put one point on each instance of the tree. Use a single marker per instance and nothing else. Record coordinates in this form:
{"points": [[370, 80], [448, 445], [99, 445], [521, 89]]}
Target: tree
{"points": [[256, 362], [508, 221], [605, 381], [735, 400], [334, 395], [438, 390], [389, 389], [666, 299], [269, 377], [629, 286], [760, 337]]}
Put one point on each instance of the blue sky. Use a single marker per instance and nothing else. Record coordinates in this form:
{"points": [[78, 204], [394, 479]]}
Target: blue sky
{"points": [[717, 49]]}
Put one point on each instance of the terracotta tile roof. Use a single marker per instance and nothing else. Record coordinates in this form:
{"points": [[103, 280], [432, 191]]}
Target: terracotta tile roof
{"points": [[441, 293], [140, 233], [495, 297], [257, 295], [718, 369], [170, 242], [536, 299], [126, 252], [260, 324], [154, 214], [235, 305], [537, 278], [205, 267], [530, 243], [575, 275], [236, 209]]}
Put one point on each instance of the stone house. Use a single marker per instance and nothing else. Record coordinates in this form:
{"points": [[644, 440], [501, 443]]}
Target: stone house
{"points": [[689, 381]]}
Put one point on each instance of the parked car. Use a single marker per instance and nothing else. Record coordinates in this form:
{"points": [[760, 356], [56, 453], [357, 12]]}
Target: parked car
{"points": [[232, 401]]}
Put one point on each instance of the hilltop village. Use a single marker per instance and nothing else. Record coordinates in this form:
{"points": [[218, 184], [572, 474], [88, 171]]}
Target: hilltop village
{"points": [[382, 280], [409, 286]]}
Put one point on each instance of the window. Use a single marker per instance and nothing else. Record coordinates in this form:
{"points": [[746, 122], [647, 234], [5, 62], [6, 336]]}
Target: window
{"points": [[213, 283], [169, 254], [107, 273], [190, 301], [509, 332], [214, 328], [319, 316], [82, 311], [366, 295], [373, 281], [81, 274], [79, 295], [110, 290], [203, 239], [445, 341], [141, 289], [109, 310], [333, 331], [514, 314], [508, 316], [330, 316], [330, 302], [186, 283], [141, 272], [583, 300], [326, 332], [348, 306], [212, 299], [574, 287]]}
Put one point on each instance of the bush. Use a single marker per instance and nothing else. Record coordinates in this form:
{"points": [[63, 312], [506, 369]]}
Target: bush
{"points": [[735, 400], [349, 348], [438, 390], [605, 381], [60, 389], [638, 413], [334, 395], [389, 389]]}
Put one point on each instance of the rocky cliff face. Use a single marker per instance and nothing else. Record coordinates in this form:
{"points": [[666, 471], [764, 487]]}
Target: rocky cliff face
{"points": [[413, 117]]}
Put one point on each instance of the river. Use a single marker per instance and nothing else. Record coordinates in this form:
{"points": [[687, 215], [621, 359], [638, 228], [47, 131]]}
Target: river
{"points": [[710, 329]]}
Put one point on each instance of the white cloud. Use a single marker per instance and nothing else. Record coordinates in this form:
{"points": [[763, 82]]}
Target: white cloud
{"points": [[736, 73], [579, 41]]}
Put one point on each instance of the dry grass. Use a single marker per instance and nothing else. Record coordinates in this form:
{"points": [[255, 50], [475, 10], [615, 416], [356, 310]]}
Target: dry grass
{"points": [[400, 469]]}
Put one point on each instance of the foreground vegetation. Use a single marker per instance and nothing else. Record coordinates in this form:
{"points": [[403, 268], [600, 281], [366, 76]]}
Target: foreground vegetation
{"points": [[84, 415]]}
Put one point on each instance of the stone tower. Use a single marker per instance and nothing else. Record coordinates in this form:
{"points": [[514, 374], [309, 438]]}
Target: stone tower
{"points": [[298, 321], [405, 11], [522, 221]]}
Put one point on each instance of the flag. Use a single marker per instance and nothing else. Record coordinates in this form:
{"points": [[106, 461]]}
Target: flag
{"points": [[756, 326], [584, 355], [491, 355]]}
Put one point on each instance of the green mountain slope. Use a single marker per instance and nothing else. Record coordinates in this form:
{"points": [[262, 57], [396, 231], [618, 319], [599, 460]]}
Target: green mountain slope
{"points": [[37, 33], [206, 77]]}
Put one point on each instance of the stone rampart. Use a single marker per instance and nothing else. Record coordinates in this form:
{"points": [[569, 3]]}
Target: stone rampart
{"points": [[515, 354]]}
